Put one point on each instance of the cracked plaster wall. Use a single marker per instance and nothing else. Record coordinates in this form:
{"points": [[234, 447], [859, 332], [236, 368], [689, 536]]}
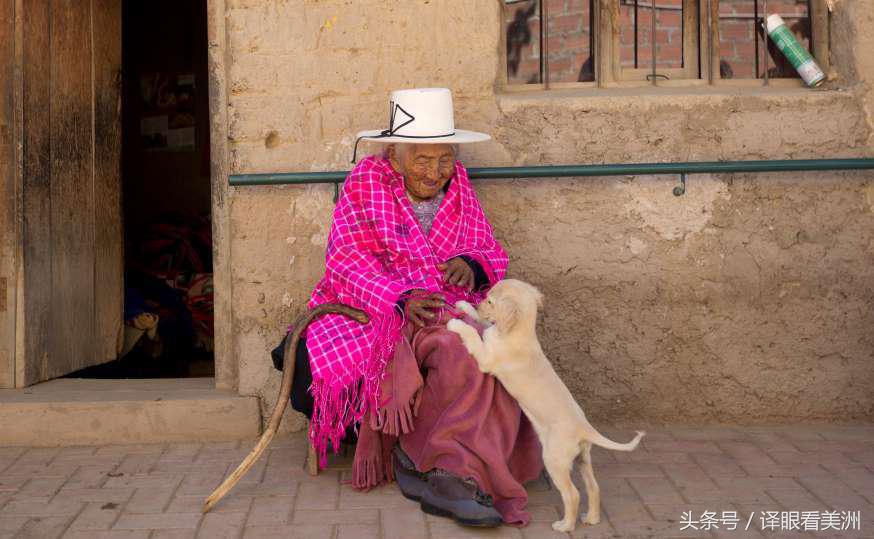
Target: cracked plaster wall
{"points": [[746, 300]]}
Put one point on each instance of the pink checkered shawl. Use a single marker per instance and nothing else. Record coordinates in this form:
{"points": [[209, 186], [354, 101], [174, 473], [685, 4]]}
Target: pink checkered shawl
{"points": [[376, 252]]}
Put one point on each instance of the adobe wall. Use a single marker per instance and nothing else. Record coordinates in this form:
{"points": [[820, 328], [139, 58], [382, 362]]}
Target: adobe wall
{"points": [[747, 300]]}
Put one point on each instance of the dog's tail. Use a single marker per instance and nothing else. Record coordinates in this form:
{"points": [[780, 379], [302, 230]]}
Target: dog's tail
{"points": [[599, 439]]}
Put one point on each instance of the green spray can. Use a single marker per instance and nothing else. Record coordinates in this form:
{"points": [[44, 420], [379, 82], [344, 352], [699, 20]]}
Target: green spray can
{"points": [[797, 55]]}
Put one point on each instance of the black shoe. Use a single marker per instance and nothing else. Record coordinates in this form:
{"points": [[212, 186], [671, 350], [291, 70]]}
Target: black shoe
{"points": [[411, 481], [451, 496]]}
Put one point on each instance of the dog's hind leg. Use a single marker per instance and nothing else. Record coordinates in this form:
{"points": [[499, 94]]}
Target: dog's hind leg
{"points": [[559, 463], [593, 491]]}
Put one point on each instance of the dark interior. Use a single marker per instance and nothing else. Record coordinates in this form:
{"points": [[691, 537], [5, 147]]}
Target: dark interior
{"points": [[166, 194]]}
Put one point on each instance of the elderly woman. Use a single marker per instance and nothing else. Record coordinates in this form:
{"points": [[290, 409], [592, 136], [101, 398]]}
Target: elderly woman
{"points": [[408, 240]]}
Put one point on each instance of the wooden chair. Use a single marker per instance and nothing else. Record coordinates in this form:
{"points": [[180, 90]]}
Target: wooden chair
{"points": [[312, 462]]}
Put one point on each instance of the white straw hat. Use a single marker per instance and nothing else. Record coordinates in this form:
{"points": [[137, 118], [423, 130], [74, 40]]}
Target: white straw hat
{"points": [[421, 116]]}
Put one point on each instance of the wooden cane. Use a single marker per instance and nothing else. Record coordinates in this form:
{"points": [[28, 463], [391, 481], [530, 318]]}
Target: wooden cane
{"points": [[284, 394]]}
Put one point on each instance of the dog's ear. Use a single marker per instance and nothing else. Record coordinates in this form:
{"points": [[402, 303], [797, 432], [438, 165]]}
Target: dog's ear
{"points": [[538, 296], [507, 314]]}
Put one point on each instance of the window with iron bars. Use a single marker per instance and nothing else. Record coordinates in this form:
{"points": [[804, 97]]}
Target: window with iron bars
{"points": [[569, 43]]}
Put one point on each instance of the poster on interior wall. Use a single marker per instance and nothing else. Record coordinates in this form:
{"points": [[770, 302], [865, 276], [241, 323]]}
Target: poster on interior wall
{"points": [[168, 121]]}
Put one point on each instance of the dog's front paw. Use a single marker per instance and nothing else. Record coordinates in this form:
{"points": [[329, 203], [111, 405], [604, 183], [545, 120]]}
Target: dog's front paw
{"points": [[562, 526], [466, 308], [456, 326]]}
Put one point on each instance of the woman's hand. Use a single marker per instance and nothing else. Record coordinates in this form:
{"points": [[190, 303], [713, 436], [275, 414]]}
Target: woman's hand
{"points": [[456, 271], [420, 307]]}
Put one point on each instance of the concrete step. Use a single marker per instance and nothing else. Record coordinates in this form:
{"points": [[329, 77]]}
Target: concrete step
{"points": [[87, 412]]}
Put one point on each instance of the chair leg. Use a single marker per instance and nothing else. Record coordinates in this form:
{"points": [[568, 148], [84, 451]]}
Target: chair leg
{"points": [[312, 463]]}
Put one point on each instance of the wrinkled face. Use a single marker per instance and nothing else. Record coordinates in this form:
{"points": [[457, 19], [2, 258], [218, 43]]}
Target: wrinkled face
{"points": [[425, 167]]}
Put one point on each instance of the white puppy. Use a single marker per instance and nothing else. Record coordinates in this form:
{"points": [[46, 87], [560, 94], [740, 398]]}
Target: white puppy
{"points": [[509, 350]]}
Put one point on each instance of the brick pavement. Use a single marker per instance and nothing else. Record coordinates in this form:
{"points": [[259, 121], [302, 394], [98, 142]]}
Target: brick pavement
{"points": [[156, 491]]}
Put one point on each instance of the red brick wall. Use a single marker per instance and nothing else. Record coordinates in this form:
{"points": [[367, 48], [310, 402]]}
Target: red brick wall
{"points": [[669, 33], [568, 42]]}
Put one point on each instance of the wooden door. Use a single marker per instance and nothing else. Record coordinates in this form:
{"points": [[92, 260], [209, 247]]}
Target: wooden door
{"points": [[7, 193], [70, 280]]}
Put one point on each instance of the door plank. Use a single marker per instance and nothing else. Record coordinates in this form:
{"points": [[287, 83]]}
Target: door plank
{"points": [[72, 189], [109, 257], [32, 362], [7, 193]]}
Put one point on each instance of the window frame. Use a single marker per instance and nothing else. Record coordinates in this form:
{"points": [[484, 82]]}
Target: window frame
{"points": [[701, 59], [690, 67]]}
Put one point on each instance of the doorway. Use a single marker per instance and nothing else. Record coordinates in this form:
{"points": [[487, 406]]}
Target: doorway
{"points": [[166, 204]]}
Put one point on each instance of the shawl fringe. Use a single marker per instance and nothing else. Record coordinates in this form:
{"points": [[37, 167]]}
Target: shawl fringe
{"points": [[367, 467], [395, 419], [336, 405]]}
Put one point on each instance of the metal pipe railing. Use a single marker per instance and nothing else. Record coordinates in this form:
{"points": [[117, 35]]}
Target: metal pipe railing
{"points": [[573, 171]]}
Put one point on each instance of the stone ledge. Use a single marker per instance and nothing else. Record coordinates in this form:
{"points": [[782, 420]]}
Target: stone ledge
{"points": [[74, 412]]}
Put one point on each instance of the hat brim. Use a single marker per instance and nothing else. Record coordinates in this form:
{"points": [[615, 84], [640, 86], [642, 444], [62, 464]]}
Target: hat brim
{"points": [[460, 137]]}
